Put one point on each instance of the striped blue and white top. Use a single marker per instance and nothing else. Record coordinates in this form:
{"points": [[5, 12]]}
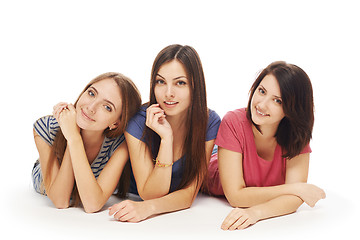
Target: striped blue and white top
{"points": [[47, 127]]}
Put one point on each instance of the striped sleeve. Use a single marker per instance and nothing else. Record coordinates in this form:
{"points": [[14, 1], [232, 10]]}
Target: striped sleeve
{"points": [[116, 144], [47, 127]]}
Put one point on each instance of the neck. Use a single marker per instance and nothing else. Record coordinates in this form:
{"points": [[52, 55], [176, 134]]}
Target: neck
{"points": [[91, 138], [177, 123], [267, 132]]}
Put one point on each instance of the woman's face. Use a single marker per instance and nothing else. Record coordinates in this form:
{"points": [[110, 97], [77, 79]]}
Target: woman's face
{"points": [[99, 107], [266, 103], [172, 88]]}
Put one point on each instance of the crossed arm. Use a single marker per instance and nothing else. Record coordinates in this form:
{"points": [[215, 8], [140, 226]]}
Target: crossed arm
{"points": [[256, 203], [75, 167], [164, 202]]}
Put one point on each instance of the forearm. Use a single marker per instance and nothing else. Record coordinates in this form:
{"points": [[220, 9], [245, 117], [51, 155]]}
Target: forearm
{"points": [[251, 196], [61, 186], [279, 206], [175, 201], [159, 181], [90, 192]]}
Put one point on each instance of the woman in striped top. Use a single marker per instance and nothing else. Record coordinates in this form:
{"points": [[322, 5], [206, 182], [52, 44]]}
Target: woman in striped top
{"points": [[82, 152]]}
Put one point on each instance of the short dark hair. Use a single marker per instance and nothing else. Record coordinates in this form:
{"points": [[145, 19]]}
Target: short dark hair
{"points": [[295, 129]]}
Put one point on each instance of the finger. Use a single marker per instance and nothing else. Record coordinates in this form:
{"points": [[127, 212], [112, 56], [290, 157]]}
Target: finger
{"points": [[238, 223], [115, 208], [59, 105], [124, 217], [244, 224]]}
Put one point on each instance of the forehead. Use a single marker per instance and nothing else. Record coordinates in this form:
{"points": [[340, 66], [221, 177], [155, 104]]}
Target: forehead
{"points": [[109, 90], [172, 69], [271, 84]]}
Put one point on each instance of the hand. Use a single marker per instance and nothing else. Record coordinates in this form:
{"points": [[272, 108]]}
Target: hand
{"points": [[58, 108], [239, 218], [130, 211], [156, 120], [67, 120], [310, 193]]}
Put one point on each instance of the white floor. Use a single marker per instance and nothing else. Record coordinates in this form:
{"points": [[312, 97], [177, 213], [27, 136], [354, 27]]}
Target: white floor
{"points": [[47, 44], [29, 213]]}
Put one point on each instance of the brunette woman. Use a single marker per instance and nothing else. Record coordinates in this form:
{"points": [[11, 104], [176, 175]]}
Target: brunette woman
{"points": [[263, 150], [171, 138]]}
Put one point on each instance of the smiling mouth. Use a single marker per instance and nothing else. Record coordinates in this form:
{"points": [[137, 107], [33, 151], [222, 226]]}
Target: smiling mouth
{"points": [[171, 103], [262, 114], [86, 116]]}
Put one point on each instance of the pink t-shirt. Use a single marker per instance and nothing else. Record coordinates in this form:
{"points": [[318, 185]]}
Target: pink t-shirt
{"points": [[235, 134]]}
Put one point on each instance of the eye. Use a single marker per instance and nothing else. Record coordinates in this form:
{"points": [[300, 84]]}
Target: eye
{"points": [[278, 101], [261, 91], [108, 108], [159, 81], [181, 83], [91, 93]]}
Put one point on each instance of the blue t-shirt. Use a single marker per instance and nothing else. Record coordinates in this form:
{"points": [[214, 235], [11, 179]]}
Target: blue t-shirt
{"points": [[136, 128]]}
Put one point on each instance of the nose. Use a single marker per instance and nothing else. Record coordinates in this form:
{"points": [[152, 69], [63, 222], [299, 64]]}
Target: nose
{"points": [[263, 103], [170, 91], [92, 107]]}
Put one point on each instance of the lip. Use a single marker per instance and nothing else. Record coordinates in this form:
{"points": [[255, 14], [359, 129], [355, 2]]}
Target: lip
{"points": [[86, 116], [170, 104], [260, 113]]}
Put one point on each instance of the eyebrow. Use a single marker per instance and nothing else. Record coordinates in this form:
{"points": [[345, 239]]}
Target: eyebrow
{"points": [[104, 98], [266, 91], [174, 78]]}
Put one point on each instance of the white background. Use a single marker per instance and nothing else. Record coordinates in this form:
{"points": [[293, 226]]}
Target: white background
{"points": [[49, 50]]}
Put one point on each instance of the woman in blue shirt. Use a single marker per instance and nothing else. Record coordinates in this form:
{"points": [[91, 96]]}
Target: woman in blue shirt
{"points": [[171, 138]]}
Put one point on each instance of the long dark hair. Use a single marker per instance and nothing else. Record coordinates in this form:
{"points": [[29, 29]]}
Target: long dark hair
{"points": [[295, 129], [131, 102], [195, 167]]}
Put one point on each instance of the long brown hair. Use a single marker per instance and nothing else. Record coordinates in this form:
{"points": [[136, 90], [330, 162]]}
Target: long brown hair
{"points": [[295, 129], [131, 102], [195, 167]]}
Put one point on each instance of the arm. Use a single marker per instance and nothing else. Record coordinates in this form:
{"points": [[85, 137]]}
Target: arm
{"points": [[93, 192], [181, 199], [59, 187], [152, 181], [286, 198], [238, 195]]}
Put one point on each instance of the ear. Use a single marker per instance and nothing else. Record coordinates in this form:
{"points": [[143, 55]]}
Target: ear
{"points": [[114, 125]]}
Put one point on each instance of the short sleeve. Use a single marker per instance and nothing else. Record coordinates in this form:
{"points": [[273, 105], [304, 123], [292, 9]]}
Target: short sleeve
{"points": [[116, 143], [213, 125], [136, 125], [306, 149], [231, 133], [47, 128]]}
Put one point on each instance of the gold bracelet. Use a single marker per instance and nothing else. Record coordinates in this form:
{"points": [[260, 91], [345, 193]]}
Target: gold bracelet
{"points": [[159, 164]]}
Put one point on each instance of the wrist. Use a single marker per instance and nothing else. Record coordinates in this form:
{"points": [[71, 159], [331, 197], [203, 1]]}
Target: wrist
{"points": [[75, 138]]}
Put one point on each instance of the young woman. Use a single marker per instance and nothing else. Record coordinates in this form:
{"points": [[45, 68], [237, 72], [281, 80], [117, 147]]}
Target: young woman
{"points": [[263, 150], [171, 138], [82, 151]]}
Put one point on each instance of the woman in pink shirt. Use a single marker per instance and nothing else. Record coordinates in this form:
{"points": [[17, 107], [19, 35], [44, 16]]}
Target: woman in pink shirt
{"points": [[263, 150]]}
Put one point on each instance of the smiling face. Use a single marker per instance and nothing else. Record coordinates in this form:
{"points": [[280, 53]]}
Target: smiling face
{"points": [[99, 107], [172, 88], [266, 103]]}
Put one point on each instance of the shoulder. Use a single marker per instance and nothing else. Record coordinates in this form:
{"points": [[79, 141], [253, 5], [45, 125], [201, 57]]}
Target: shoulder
{"points": [[136, 124], [213, 125], [47, 128], [113, 143], [238, 115]]}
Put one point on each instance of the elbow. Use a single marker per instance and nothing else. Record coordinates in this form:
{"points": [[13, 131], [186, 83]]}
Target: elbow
{"points": [[238, 200], [92, 207], [61, 204]]}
